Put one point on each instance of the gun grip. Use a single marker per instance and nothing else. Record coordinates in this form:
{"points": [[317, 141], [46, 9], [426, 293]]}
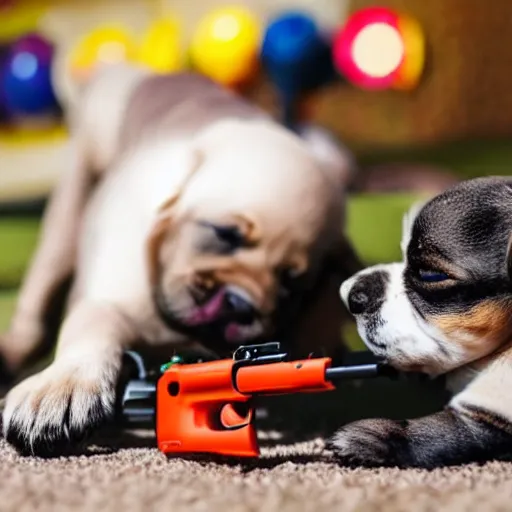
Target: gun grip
{"points": [[199, 411]]}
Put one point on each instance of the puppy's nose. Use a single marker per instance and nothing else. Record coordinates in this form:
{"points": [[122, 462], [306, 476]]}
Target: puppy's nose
{"points": [[367, 293], [357, 302], [239, 305]]}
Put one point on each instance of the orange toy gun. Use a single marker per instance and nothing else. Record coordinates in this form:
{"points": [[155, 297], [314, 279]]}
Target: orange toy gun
{"points": [[208, 407]]}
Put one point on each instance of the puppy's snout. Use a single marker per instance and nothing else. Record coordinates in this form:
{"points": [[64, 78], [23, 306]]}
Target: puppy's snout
{"points": [[366, 294]]}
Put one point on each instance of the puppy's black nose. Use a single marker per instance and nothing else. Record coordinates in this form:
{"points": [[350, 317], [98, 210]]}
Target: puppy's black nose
{"points": [[357, 302], [368, 292], [238, 305]]}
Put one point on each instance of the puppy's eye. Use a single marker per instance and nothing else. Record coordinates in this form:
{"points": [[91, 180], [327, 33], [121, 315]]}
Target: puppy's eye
{"points": [[226, 237], [432, 276], [231, 235]]}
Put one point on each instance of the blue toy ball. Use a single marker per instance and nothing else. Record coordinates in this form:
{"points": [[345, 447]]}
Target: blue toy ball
{"points": [[289, 38], [296, 56], [4, 52], [26, 85]]}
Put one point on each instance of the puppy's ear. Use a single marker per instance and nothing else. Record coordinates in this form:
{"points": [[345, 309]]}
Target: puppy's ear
{"points": [[249, 228], [189, 161], [334, 158], [158, 232], [408, 223]]}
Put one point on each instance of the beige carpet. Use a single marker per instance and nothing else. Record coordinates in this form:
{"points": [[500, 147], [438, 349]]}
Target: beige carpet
{"points": [[287, 478]]}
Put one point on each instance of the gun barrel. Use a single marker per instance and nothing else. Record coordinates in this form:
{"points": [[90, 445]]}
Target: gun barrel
{"points": [[363, 371], [284, 377]]}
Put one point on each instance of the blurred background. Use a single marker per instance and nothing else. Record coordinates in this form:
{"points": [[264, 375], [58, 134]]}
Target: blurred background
{"points": [[419, 92]]}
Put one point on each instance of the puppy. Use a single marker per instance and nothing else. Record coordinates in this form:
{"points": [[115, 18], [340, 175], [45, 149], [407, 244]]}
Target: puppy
{"points": [[188, 217], [446, 309]]}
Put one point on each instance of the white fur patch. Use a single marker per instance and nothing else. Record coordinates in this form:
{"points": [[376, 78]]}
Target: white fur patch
{"points": [[407, 225], [489, 389]]}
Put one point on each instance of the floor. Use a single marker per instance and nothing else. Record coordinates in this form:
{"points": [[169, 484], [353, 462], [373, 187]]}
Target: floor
{"points": [[291, 478], [129, 474]]}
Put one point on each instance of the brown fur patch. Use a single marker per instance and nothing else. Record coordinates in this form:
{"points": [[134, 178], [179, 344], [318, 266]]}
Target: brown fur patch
{"points": [[153, 245], [249, 229], [157, 235], [487, 417], [488, 322]]}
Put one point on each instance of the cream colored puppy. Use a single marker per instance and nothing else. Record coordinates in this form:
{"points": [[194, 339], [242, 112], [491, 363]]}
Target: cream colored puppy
{"points": [[188, 216]]}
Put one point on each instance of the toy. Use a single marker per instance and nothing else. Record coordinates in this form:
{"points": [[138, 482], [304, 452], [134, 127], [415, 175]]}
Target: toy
{"points": [[160, 48], [26, 77], [105, 45], [4, 52], [297, 58], [225, 46], [208, 407], [378, 48]]}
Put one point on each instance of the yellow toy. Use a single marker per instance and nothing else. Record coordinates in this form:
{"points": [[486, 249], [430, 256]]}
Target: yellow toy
{"points": [[226, 45], [160, 49], [107, 44]]}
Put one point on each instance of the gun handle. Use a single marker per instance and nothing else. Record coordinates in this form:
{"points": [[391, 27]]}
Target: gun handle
{"points": [[196, 412], [195, 430]]}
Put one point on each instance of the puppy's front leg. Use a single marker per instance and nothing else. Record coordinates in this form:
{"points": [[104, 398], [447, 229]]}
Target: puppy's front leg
{"points": [[50, 412], [447, 438], [475, 427], [52, 264]]}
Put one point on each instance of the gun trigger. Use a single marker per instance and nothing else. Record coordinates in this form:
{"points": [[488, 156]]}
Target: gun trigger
{"points": [[231, 418]]}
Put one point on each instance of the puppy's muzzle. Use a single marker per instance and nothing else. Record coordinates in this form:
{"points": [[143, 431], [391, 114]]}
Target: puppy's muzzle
{"points": [[224, 304], [364, 294]]}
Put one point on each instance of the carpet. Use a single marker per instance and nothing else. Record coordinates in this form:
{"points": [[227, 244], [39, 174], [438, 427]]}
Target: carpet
{"points": [[129, 474]]}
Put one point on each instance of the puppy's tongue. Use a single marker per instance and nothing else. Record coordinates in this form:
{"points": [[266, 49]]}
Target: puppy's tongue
{"points": [[209, 311]]}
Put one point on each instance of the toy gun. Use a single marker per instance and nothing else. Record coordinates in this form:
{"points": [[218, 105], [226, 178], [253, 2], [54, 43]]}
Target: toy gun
{"points": [[208, 407]]}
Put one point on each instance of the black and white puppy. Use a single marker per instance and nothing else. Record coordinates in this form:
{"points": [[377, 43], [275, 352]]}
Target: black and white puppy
{"points": [[445, 309]]}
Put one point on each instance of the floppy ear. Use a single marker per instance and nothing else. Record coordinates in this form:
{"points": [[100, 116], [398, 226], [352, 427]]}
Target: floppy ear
{"points": [[408, 222], [188, 161], [157, 235], [335, 159]]}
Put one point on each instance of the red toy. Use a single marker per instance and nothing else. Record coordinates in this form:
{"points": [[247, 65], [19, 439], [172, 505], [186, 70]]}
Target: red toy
{"points": [[208, 407]]}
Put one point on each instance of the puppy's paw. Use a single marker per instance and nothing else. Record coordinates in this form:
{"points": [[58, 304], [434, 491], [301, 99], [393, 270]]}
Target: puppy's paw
{"points": [[370, 443], [50, 413]]}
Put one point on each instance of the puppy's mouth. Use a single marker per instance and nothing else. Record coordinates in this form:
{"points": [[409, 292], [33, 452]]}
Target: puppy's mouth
{"points": [[227, 315]]}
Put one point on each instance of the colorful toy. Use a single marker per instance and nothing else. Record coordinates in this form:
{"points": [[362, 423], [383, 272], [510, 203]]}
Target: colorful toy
{"points": [[4, 52], [26, 85], [208, 407], [160, 49], [297, 57], [378, 48], [225, 46], [105, 45]]}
